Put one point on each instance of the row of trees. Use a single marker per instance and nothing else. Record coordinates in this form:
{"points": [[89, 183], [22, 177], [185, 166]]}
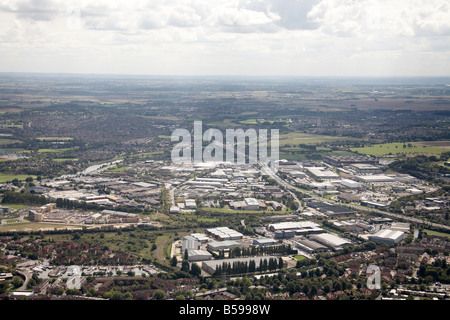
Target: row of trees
{"points": [[257, 251], [243, 267]]}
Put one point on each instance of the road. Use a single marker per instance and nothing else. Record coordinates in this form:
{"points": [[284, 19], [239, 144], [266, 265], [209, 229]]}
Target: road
{"points": [[266, 170], [27, 274], [288, 186]]}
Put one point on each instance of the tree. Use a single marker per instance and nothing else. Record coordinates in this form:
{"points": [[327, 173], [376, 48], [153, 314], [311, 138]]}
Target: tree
{"points": [[174, 261], [195, 270], [159, 294]]}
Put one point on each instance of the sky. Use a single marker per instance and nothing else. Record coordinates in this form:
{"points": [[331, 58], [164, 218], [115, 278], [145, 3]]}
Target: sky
{"points": [[227, 37]]}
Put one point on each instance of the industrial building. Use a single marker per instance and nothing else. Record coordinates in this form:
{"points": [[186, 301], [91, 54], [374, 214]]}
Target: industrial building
{"points": [[331, 241], [342, 161], [387, 236], [260, 242], [310, 246], [293, 225], [198, 255], [350, 183], [224, 233], [322, 173], [223, 245], [189, 243], [330, 209], [365, 168], [375, 178]]}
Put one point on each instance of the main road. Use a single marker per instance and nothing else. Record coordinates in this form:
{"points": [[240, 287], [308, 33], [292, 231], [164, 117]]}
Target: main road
{"points": [[280, 181]]}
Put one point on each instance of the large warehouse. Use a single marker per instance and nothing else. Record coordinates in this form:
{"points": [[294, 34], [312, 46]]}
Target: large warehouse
{"points": [[198, 255], [223, 245], [387, 236], [331, 241], [224, 233], [310, 246]]}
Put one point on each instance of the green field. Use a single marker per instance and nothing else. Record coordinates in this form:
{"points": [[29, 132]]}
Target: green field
{"points": [[54, 138], [54, 150], [401, 148], [4, 142], [296, 138], [436, 233], [10, 177]]}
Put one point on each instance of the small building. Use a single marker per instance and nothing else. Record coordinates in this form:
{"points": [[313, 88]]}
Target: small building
{"points": [[35, 216], [174, 209], [252, 204], [190, 204], [261, 242]]}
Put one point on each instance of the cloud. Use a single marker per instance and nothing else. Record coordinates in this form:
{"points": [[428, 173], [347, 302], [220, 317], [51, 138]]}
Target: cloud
{"points": [[226, 36], [37, 10]]}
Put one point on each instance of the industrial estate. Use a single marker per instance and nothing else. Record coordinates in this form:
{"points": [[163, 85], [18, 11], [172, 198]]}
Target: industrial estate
{"points": [[93, 207]]}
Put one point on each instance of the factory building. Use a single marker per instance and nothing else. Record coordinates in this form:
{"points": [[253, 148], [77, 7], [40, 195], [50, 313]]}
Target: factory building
{"points": [[365, 168], [310, 246], [261, 242], [350, 184], [342, 161], [252, 204], [322, 173], [331, 241], [223, 245], [387, 236], [198, 255], [375, 178], [189, 243], [224, 233]]}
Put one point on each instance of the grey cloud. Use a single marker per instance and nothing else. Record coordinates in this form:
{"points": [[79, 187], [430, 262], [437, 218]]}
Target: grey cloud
{"points": [[38, 10]]}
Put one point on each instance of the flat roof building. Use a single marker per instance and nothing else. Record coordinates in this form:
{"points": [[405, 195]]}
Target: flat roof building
{"points": [[387, 236], [365, 168], [198, 255], [223, 245], [310, 246], [260, 242], [331, 241], [322, 173]]}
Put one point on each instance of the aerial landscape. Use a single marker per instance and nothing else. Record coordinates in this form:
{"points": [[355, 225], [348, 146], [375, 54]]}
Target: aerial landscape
{"points": [[97, 204]]}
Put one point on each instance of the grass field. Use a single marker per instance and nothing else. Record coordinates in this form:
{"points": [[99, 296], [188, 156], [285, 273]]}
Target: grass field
{"points": [[296, 138], [436, 233], [4, 142], [54, 150], [10, 177], [54, 138], [408, 147]]}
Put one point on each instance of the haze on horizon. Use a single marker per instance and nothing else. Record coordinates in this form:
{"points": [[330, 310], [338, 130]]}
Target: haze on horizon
{"points": [[238, 37]]}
